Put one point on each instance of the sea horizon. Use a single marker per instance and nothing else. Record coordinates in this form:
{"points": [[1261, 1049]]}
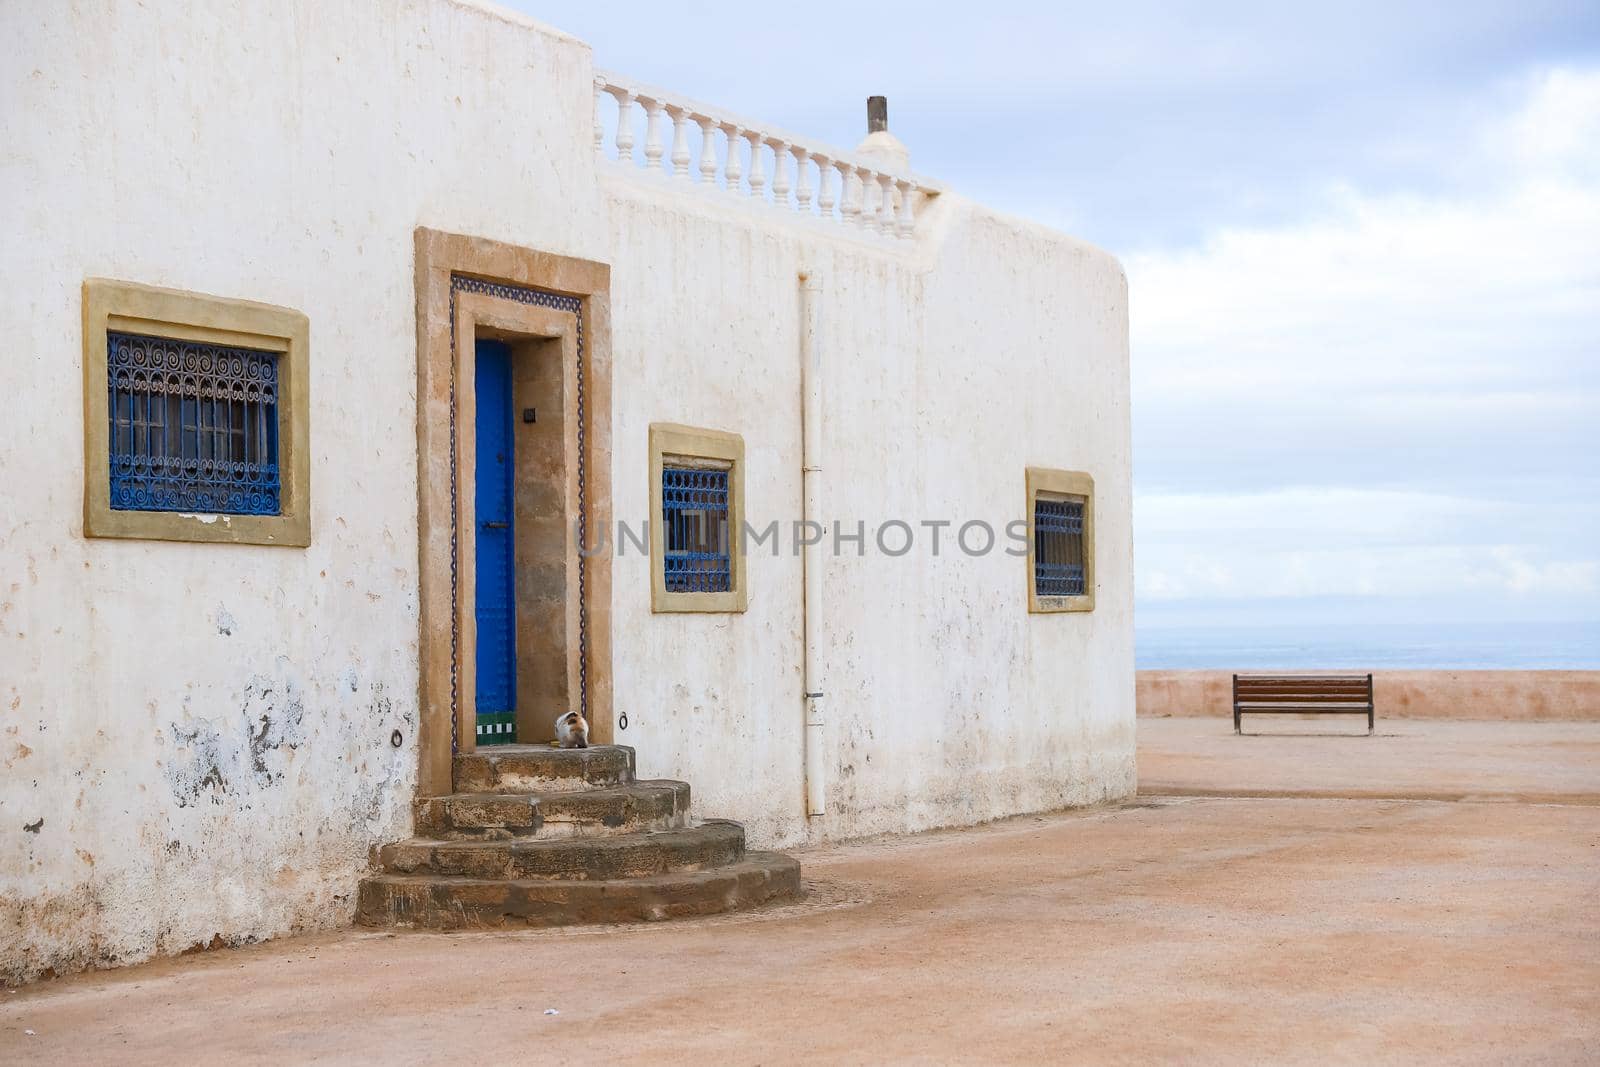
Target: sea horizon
{"points": [[1377, 646]]}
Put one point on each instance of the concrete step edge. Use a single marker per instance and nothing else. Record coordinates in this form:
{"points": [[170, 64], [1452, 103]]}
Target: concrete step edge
{"points": [[709, 844], [467, 903], [523, 814], [541, 769]]}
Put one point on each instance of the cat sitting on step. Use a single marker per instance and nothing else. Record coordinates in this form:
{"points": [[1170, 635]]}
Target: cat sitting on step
{"points": [[572, 730]]}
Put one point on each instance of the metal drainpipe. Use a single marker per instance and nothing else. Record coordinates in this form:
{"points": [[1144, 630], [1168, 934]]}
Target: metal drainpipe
{"points": [[811, 555]]}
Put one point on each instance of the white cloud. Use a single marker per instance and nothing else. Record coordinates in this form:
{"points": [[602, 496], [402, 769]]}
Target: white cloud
{"points": [[1304, 543], [1396, 292], [1304, 515], [1442, 572], [1412, 384], [1558, 132]]}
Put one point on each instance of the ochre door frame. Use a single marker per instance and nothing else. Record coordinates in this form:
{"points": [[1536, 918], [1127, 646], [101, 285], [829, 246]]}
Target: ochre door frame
{"points": [[489, 288]]}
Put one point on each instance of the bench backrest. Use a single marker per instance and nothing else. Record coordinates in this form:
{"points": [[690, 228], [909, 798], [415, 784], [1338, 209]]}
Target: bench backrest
{"points": [[1302, 689]]}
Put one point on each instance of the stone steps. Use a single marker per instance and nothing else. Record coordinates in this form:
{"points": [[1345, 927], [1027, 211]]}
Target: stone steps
{"points": [[542, 769], [714, 843], [623, 809], [473, 903], [540, 836]]}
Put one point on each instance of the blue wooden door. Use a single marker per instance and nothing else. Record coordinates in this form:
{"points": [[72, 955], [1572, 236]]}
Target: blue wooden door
{"points": [[495, 605]]}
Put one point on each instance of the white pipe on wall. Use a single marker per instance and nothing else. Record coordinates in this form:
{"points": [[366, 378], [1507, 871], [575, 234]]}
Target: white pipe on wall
{"points": [[811, 554]]}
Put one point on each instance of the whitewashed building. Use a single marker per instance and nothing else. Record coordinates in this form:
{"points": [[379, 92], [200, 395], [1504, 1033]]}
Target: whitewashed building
{"points": [[282, 278]]}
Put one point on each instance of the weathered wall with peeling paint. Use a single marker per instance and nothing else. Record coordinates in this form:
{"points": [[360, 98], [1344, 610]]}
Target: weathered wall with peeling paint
{"points": [[195, 740], [204, 731]]}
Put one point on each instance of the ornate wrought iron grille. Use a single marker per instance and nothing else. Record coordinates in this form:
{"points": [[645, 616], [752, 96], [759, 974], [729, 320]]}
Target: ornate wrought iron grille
{"points": [[1057, 547], [694, 507], [194, 427]]}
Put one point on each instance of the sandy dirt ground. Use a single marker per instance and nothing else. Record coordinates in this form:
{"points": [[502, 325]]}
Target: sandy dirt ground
{"points": [[1407, 759], [1196, 929]]}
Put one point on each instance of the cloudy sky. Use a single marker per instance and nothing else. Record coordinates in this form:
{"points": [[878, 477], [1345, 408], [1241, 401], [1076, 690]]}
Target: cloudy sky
{"points": [[1363, 241]]}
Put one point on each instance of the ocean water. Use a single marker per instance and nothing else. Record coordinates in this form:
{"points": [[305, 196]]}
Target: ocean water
{"points": [[1384, 646]]}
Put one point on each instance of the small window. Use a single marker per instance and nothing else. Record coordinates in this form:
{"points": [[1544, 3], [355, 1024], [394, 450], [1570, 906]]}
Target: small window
{"points": [[195, 417], [194, 427], [1058, 546], [697, 508], [1061, 551], [694, 507]]}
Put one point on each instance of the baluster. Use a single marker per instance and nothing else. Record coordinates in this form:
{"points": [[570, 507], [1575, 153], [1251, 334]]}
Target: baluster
{"points": [[624, 139], [758, 174], [780, 172], [886, 205], [825, 199], [708, 149], [731, 170], [599, 124], [848, 206], [869, 204], [907, 220], [680, 141], [802, 179], [652, 133]]}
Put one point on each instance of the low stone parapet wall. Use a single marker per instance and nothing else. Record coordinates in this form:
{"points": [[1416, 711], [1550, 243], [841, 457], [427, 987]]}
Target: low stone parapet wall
{"points": [[1527, 696]]}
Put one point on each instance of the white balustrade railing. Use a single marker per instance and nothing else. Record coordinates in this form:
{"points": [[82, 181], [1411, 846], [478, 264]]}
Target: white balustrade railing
{"points": [[806, 177]]}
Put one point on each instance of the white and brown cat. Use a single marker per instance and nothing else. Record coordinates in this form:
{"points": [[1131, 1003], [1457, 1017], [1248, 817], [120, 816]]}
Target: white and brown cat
{"points": [[572, 730]]}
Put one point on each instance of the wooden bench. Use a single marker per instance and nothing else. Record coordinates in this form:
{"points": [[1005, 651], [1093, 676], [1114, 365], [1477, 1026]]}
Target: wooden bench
{"points": [[1302, 694]]}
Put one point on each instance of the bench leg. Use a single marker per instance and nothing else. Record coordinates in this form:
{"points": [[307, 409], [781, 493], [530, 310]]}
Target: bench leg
{"points": [[1236, 720], [1369, 721]]}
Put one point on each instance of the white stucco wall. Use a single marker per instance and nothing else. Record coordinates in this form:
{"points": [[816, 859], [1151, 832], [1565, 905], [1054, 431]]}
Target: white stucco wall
{"points": [[949, 369], [204, 730]]}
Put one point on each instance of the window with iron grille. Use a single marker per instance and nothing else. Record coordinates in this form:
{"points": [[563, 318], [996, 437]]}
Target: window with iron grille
{"points": [[1058, 546], [196, 417], [697, 558], [695, 510], [1061, 550], [193, 427]]}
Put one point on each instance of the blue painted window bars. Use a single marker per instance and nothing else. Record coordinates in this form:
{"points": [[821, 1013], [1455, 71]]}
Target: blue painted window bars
{"points": [[194, 427], [694, 507], [1057, 547]]}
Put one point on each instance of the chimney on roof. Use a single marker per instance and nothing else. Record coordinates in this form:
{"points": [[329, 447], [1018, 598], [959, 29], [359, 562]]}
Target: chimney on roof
{"points": [[877, 114], [880, 145]]}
